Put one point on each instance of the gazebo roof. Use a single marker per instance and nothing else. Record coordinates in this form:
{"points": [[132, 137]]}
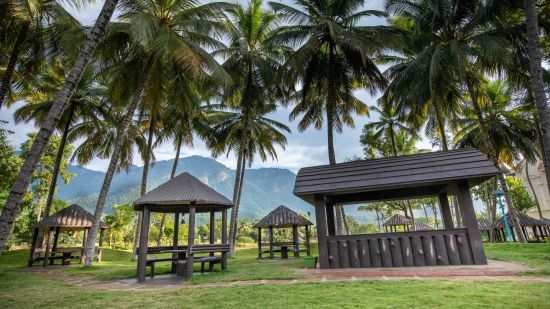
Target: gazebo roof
{"points": [[425, 174], [483, 225], [524, 220], [398, 220], [180, 192], [73, 217], [545, 220], [282, 216], [419, 226]]}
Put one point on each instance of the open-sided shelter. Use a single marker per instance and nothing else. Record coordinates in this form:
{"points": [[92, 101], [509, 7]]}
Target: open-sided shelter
{"points": [[438, 174], [283, 217], [485, 227], [73, 218], [183, 194], [397, 221], [537, 227]]}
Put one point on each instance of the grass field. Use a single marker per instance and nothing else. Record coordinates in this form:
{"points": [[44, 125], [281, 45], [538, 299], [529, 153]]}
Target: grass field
{"points": [[21, 289]]}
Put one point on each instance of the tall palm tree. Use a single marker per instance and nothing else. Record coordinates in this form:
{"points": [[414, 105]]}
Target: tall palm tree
{"points": [[460, 39], [334, 57], [21, 183], [253, 62], [35, 30], [152, 34]]}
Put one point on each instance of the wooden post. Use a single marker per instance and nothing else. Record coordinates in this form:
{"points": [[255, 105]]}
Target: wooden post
{"points": [[470, 221], [271, 242], [84, 242], [48, 247], [259, 242], [55, 241], [143, 241], [295, 241], [100, 246], [445, 211], [212, 231], [321, 217], [190, 241], [308, 245], [175, 240], [224, 237], [33, 247], [331, 227]]}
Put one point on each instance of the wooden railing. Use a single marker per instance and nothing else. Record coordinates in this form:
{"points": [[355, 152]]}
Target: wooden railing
{"points": [[420, 248]]}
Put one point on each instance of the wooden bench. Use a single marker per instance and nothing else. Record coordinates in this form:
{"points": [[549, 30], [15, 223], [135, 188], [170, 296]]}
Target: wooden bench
{"points": [[151, 263]]}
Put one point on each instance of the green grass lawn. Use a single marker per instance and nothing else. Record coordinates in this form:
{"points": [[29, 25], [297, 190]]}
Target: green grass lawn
{"points": [[21, 289]]}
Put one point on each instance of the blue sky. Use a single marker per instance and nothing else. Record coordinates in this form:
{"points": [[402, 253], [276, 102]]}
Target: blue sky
{"points": [[303, 149]]}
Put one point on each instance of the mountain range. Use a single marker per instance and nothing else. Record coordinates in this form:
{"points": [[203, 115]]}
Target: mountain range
{"points": [[263, 188]]}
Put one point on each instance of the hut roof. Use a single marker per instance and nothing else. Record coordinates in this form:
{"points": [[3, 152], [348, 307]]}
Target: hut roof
{"points": [[419, 226], [524, 220], [483, 225], [545, 220], [282, 216], [73, 217], [397, 219], [424, 174], [180, 192]]}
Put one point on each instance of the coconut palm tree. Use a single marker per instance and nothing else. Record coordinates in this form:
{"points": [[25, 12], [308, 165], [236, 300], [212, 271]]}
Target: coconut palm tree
{"points": [[460, 39], [154, 33], [21, 183], [253, 62]]}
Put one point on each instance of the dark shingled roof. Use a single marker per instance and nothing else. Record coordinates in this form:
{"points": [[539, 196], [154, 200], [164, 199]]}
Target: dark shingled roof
{"points": [[397, 219], [483, 225], [419, 226], [282, 216], [546, 221], [72, 217], [440, 168], [524, 220], [180, 192]]}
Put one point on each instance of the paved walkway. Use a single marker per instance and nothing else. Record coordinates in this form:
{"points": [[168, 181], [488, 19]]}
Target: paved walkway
{"points": [[495, 271]]}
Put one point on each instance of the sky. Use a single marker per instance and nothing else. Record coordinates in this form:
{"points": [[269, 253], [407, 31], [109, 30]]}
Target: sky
{"points": [[306, 148]]}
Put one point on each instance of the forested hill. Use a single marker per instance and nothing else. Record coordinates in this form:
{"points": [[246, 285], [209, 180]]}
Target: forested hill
{"points": [[264, 188]]}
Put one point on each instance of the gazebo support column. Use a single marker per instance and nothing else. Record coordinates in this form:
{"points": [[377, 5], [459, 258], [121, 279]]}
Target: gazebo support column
{"points": [[271, 242], [445, 211], [469, 220], [33, 246], [259, 242], [295, 241], [321, 217], [143, 240], [175, 240], [48, 247], [224, 237], [212, 237], [308, 245], [55, 241], [190, 241], [331, 228]]}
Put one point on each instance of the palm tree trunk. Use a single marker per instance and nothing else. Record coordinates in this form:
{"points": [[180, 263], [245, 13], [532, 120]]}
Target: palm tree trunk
{"points": [[236, 189], [239, 195], [14, 57], [19, 187], [491, 153], [537, 84], [441, 128], [172, 174], [392, 138], [144, 176], [378, 219], [120, 137], [532, 188]]}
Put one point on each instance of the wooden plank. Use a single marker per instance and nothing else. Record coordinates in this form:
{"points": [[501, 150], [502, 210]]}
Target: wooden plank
{"points": [[406, 249], [364, 254], [398, 234], [190, 241], [385, 252], [331, 226], [224, 237], [295, 241], [464, 250], [259, 242], [418, 251], [452, 250], [343, 252], [396, 254], [308, 244], [271, 242], [469, 219], [143, 240], [445, 211], [320, 215], [48, 247], [441, 250], [354, 259], [429, 251], [374, 250], [334, 256]]}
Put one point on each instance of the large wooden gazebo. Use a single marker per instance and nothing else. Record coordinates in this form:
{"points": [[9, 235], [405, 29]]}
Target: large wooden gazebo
{"points": [[526, 222], [73, 218], [283, 217], [438, 174], [183, 194], [397, 221]]}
